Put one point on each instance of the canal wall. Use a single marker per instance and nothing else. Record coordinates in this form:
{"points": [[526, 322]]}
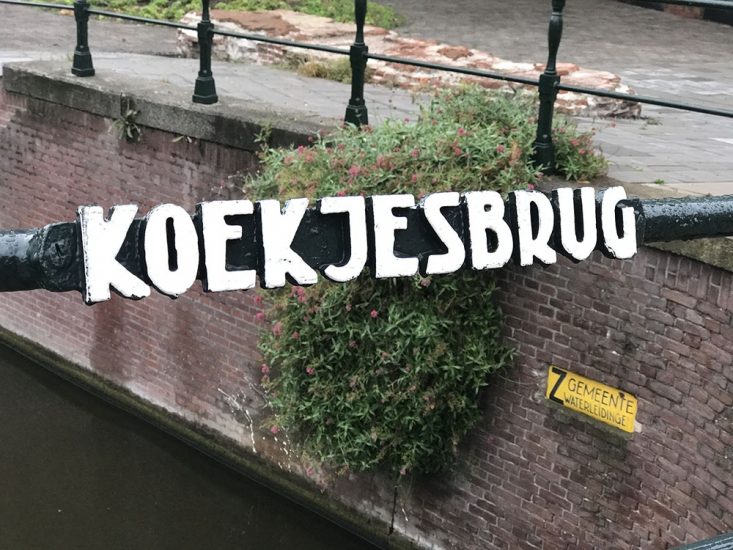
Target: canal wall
{"points": [[531, 475]]}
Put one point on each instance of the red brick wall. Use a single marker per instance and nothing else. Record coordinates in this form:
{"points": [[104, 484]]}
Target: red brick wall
{"points": [[531, 476], [658, 327], [176, 353]]}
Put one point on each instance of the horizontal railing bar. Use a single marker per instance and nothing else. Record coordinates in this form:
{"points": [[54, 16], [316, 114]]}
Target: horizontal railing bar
{"points": [[39, 4], [722, 4], [646, 100], [448, 68], [413, 62], [282, 42], [139, 19]]}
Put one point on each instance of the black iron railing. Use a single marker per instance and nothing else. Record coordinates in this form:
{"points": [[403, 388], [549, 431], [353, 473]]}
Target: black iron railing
{"points": [[549, 83]]}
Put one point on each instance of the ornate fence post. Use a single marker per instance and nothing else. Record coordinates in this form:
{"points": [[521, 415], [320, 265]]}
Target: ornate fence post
{"points": [[82, 65], [205, 90], [544, 150], [356, 112]]}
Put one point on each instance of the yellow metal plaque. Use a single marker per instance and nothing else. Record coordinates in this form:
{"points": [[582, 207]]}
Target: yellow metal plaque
{"points": [[610, 405]]}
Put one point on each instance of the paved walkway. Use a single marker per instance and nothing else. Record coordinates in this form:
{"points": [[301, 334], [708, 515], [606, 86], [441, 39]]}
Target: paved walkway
{"points": [[657, 53]]}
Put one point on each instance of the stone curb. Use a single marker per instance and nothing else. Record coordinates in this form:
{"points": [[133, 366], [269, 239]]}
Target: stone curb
{"points": [[236, 124]]}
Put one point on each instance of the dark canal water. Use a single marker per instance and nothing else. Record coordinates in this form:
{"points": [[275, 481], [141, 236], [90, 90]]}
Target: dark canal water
{"points": [[76, 473]]}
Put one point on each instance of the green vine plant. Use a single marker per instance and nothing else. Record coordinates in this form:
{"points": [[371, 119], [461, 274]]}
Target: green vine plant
{"points": [[386, 374], [126, 126]]}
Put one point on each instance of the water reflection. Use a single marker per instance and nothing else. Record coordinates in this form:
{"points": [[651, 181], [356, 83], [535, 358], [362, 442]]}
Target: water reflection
{"points": [[77, 473]]}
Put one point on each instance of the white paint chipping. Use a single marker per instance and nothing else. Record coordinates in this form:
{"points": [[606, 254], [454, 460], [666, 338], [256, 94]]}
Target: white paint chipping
{"points": [[157, 261], [278, 231], [531, 247], [486, 213], [355, 207], [577, 249], [101, 242], [216, 232], [618, 246], [386, 264], [453, 259]]}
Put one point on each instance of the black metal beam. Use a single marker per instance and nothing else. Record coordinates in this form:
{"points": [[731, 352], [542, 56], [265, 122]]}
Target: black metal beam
{"points": [[51, 258]]}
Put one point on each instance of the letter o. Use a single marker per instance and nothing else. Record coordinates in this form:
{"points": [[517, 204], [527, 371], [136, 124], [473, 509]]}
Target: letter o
{"points": [[185, 240]]}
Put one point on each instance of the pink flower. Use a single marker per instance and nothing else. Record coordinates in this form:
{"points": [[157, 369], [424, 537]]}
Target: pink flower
{"points": [[277, 328], [425, 283], [353, 344], [348, 307], [374, 314], [275, 430], [354, 171], [415, 153], [288, 160], [414, 178], [461, 132], [260, 317], [259, 300], [574, 142], [582, 152], [500, 149], [264, 369], [531, 186], [341, 193], [407, 119], [310, 371], [457, 151], [301, 149], [295, 335]]}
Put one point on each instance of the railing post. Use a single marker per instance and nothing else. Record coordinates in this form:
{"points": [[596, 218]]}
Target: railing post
{"points": [[205, 89], [82, 65], [356, 112], [544, 150]]}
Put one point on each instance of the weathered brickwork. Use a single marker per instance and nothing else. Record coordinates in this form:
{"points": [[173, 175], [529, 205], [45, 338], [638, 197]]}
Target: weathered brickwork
{"points": [[658, 327], [196, 352], [532, 475]]}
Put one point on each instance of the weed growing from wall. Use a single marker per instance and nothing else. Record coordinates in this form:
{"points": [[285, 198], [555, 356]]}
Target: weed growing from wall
{"points": [[386, 373]]}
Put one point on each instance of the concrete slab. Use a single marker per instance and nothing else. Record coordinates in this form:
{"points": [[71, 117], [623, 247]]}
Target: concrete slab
{"points": [[643, 46]]}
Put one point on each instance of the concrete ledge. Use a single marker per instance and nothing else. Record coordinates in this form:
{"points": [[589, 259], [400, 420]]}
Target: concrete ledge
{"points": [[162, 106]]}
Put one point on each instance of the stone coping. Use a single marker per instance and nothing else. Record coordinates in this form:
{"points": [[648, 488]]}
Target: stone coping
{"points": [[162, 105]]}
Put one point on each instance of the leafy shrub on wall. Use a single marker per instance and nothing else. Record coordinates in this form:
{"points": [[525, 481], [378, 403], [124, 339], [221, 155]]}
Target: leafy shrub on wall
{"points": [[386, 373]]}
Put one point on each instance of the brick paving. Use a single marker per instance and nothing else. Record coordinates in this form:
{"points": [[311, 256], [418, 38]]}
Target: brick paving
{"points": [[657, 53]]}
